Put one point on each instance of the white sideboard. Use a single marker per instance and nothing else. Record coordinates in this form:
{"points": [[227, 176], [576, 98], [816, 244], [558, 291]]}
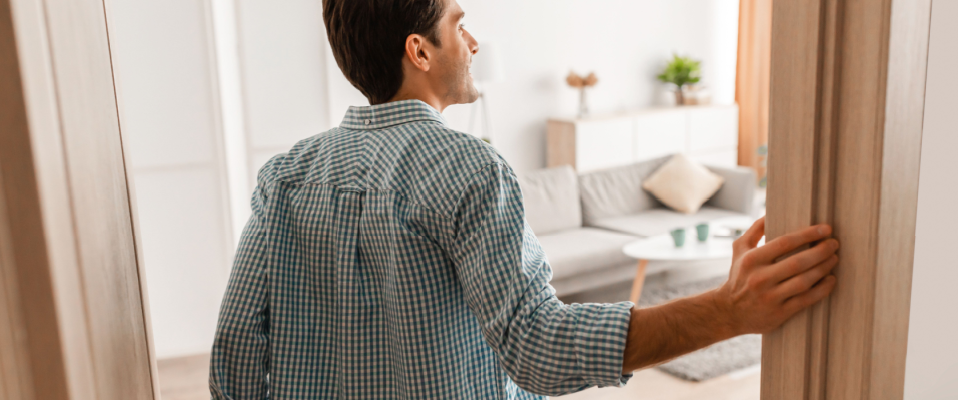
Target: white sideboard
{"points": [[707, 134]]}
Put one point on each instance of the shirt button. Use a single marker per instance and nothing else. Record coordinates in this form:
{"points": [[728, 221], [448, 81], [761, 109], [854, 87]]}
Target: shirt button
{"points": [[366, 122]]}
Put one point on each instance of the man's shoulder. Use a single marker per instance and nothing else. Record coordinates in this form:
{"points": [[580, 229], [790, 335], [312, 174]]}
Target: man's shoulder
{"points": [[424, 160], [445, 161], [463, 151]]}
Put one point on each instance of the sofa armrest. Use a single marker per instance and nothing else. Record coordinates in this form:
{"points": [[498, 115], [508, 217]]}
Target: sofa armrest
{"points": [[738, 190]]}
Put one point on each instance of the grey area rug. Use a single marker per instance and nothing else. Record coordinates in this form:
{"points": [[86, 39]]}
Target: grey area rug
{"points": [[718, 359], [721, 358]]}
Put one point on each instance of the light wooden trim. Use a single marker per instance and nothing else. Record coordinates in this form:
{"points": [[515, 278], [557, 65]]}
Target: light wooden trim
{"points": [[847, 89], [16, 380], [65, 189], [141, 267], [785, 363], [909, 35], [98, 189], [43, 257], [141, 274], [561, 144]]}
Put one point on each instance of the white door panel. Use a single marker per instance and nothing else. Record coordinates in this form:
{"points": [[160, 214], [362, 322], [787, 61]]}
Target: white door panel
{"points": [[165, 64], [164, 82], [185, 255], [283, 71]]}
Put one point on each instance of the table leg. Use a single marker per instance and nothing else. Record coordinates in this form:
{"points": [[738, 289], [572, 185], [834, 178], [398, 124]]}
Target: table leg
{"points": [[638, 281]]}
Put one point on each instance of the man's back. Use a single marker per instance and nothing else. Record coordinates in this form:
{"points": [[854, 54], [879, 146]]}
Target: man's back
{"points": [[363, 272]]}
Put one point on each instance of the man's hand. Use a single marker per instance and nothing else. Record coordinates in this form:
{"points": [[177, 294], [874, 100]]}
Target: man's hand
{"points": [[767, 285], [765, 288]]}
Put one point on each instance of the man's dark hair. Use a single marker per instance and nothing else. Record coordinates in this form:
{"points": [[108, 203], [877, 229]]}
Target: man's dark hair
{"points": [[368, 39]]}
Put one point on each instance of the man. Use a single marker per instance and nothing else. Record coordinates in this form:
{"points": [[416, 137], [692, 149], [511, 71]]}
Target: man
{"points": [[389, 257]]}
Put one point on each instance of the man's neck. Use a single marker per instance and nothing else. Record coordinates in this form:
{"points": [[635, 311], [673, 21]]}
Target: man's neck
{"points": [[432, 99]]}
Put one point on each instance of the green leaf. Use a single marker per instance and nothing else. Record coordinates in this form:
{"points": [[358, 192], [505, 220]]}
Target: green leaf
{"points": [[681, 71]]}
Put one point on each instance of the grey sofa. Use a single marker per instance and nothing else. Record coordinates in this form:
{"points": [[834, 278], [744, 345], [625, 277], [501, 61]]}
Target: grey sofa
{"points": [[583, 221]]}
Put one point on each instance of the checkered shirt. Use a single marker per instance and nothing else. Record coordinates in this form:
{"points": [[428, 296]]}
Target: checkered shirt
{"points": [[389, 258]]}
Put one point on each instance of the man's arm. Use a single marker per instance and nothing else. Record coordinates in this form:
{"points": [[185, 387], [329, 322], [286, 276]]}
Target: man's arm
{"points": [[763, 291], [546, 347], [240, 359]]}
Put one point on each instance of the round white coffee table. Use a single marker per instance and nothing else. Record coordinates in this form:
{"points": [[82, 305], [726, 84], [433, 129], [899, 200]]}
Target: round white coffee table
{"points": [[661, 248]]}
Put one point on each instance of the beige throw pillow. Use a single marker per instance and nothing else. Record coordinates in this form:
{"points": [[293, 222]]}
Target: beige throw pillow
{"points": [[682, 184]]}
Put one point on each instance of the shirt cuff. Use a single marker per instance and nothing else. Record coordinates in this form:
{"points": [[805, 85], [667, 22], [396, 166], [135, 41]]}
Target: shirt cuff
{"points": [[601, 337]]}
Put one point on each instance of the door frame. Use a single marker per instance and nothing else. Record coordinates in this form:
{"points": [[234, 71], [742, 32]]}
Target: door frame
{"points": [[846, 113], [74, 321]]}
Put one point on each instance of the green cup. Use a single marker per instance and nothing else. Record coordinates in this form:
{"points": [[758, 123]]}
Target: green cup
{"points": [[703, 232], [679, 236]]}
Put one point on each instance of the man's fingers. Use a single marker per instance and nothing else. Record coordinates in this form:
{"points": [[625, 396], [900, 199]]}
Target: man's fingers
{"points": [[752, 236], [790, 242], [810, 297], [802, 261], [804, 281]]}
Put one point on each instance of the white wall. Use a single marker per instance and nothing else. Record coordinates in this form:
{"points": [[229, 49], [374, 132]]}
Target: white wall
{"points": [[625, 42], [283, 74], [169, 115], [932, 341]]}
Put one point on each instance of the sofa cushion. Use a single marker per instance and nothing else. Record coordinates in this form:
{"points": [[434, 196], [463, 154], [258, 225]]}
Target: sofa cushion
{"points": [[617, 191], [661, 220], [551, 199], [576, 251], [682, 184], [738, 191]]}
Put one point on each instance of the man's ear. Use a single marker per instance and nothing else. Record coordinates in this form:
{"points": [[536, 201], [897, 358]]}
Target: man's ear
{"points": [[418, 52]]}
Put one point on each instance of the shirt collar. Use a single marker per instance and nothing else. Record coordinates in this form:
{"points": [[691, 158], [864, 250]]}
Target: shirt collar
{"points": [[389, 114]]}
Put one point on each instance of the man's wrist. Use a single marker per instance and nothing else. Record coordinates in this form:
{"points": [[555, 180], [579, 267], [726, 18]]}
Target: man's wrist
{"points": [[726, 319], [657, 334]]}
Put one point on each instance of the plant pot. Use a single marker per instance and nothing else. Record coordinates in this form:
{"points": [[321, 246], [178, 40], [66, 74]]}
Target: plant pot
{"points": [[679, 94]]}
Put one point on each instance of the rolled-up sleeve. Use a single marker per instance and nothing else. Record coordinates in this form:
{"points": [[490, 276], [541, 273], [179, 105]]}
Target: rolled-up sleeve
{"points": [[546, 347]]}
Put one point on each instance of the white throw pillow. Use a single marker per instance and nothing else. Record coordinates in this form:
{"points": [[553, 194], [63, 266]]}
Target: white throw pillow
{"points": [[683, 185]]}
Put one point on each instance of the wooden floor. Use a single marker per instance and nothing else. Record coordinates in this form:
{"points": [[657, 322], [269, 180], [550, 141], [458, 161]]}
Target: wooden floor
{"points": [[186, 379]]}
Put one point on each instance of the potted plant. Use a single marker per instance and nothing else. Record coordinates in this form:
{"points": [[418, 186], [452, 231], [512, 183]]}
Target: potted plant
{"points": [[681, 71]]}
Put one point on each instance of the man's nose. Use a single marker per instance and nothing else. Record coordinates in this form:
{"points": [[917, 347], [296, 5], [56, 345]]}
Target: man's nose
{"points": [[474, 46]]}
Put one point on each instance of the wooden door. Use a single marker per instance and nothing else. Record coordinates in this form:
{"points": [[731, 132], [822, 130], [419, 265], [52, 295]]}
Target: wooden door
{"points": [[847, 92], [73, 323]]}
